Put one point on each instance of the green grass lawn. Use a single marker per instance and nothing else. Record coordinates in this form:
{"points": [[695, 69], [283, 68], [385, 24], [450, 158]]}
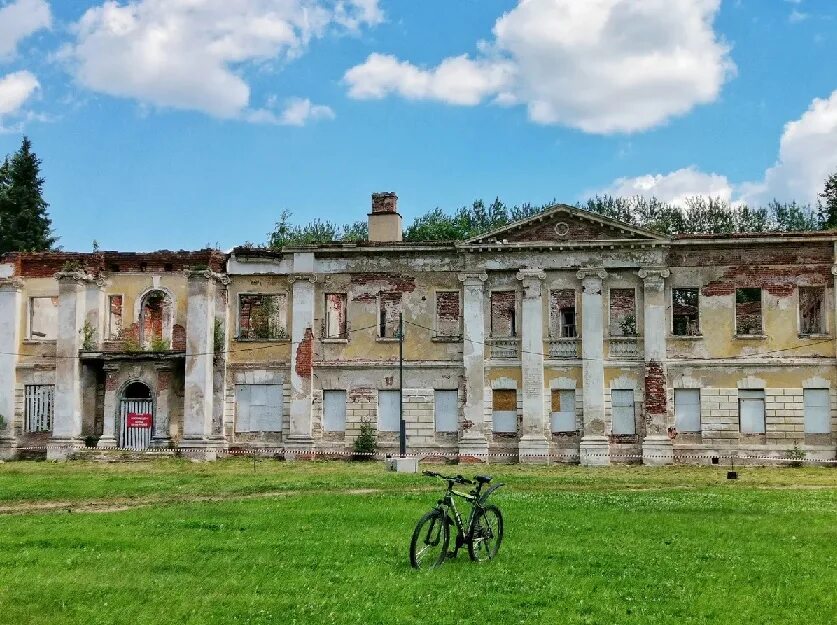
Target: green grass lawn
{"points": [[177, 542]]}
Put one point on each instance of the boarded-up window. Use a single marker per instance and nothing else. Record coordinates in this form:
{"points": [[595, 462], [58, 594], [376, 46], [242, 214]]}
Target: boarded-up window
{"points": [[334, 411], [43, 318], [687, 409], [748, 312], [262, 317], [504, 410], [503, 314], [685, 312], [622, 402], [38, 409], [622, 312], [258, 408], [563, 410], [811, 310], [562, 313], [114, 316], [335, 315], [447, 314], [389, 414], [389, 315], [817, 411], [446, 411], [751, 411]]}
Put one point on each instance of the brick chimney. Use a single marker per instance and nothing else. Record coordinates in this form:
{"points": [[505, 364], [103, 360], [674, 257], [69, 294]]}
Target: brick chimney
{"points": [[384, 220]]}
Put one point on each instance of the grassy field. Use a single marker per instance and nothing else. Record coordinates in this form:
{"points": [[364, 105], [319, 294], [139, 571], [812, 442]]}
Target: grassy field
{"points": [[234, 542]]}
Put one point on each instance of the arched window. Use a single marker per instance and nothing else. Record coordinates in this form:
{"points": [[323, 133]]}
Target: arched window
{"points": [[136, 390], [155, 320]]}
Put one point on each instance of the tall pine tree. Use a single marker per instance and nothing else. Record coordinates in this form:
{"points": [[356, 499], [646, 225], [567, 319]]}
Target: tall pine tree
{"points": [[25, 225], [828, 206]]}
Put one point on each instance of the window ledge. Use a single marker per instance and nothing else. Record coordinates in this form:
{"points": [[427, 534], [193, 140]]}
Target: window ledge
{"points": [[686, 337], [814, 336], [334, 339], [750, 337], [39, 341], [447, 339], [386, 339]]}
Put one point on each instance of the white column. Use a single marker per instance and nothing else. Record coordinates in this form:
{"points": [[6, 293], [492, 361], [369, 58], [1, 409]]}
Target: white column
{"points": [[66, 427], [302, 362], [198, 394], [110, 407], [473, 441], [161, 436], [657, 447], [533, 446], [10, 324], [594, 447]]}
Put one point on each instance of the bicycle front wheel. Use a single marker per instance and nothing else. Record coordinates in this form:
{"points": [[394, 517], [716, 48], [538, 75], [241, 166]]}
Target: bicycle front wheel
{"points": [[486, 534], [429, 545]]}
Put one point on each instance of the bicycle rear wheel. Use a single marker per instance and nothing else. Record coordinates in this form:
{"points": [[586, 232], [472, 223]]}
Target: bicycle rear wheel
{"points": [[486, 534], [429, 545]]}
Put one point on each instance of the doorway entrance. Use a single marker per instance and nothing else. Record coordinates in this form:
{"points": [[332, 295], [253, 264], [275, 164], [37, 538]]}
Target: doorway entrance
{"points": [[136, 410]]}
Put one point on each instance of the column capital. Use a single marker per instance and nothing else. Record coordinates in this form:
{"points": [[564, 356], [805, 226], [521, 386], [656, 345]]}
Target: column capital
{"points": [[11, 284], [531, 274], [207, 274], [473, 279], [654, 277], [73, 276], [587, 273], [531, 279]]}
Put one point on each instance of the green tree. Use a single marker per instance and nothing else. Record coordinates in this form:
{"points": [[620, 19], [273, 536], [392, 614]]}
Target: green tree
{"points": [[24, 221], [828, 205]]}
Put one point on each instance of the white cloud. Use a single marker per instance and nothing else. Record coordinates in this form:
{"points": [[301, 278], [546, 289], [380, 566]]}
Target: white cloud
{"points": [[18, 20], [675, 187], [297, 112], [603, 66], [15, 89], [807, 156], [186, 54]]}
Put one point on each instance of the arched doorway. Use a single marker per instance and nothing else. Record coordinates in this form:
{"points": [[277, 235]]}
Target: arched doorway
{"points": [[136, 410], [155, 320]]}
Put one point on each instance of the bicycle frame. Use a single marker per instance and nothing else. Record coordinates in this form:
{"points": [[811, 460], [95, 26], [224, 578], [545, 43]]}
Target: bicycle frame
{"points": [[447, 504]]}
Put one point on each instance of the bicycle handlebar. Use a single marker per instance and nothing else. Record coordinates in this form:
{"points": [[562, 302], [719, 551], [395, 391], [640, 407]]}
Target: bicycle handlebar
{"points": [[458, 479]]}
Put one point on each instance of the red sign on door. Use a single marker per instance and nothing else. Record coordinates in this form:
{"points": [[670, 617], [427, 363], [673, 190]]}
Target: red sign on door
{"points": [[139, 420]]}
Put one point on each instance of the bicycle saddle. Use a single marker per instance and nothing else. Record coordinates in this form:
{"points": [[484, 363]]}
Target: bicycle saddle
{"points": [[482, 479]]}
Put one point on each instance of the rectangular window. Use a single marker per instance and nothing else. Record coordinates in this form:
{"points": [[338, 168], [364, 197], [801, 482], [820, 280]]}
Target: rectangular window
{"points": [[258, 408], [622, 401], [38, 410], [334, 411], [751, 411], [685, 312], [114, 316], [817, 411], [562, 313], [504, 411], [563, 411], [503, 314], [748, 312], [622, 312], [812, 310], [446, 411], [447, 314], [335, 316], [263, 317], [43, 318], [687, 409], [389, 315], [389, 417]]}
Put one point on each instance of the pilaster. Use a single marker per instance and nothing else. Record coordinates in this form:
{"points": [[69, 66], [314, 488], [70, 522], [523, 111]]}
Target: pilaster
{"points": [[594, 448], [473, 441], [67, 424], [533, 446], [657, 447], [161, 436], [10, 324], [302, 361], [110, 408]]}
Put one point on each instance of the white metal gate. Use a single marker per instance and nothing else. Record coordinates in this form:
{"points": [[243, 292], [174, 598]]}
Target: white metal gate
{"points": [[40, 399], [136, 423]]}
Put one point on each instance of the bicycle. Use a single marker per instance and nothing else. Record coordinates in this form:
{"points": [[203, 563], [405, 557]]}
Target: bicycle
{"points": [[483, 532]]}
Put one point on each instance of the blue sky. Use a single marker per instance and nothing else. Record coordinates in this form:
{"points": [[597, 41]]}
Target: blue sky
{"points": [[177, 123]]}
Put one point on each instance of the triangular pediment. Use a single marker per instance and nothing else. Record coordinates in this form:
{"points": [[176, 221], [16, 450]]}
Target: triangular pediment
{"points": [[566, 225]]}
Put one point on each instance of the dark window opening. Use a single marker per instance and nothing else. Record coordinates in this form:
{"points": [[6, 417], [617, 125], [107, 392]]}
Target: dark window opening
{"points": [[685, 312]]}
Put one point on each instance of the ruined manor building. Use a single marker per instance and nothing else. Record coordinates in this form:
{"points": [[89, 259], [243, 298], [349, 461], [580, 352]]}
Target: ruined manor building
{"points": [[565, 336]]}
